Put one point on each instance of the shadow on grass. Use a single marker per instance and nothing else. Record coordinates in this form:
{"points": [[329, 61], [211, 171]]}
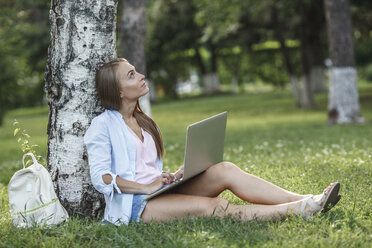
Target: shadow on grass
{"points": [[187, 232], [211, 232]]}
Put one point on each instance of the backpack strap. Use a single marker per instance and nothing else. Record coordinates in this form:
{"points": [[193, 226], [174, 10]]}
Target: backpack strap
{"points": [[33, 159]]}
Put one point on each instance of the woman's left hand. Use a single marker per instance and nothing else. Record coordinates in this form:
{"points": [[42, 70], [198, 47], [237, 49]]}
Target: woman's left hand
{"points": [[170, 177]]}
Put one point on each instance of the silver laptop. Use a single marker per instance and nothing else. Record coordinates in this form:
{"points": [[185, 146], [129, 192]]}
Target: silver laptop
{"points": [[204, 147]]}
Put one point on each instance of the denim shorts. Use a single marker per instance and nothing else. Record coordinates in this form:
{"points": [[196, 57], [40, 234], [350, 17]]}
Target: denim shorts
{"points": [[138, 206]]}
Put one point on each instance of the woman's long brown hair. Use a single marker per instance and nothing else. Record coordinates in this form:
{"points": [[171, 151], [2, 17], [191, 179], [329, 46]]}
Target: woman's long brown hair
{"points": [[107, 86]]}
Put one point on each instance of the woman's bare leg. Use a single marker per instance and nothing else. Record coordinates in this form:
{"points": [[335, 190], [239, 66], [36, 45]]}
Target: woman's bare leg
{"points": [[249, 188], [168, 207]]}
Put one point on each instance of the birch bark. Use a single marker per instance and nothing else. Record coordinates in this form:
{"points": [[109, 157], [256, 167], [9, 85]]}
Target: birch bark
{"points": [[82, 39], [343, 104]]}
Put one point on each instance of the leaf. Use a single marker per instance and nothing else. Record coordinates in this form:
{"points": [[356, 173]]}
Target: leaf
{"points": [[16, 131], [27, 136], [19, 139]]}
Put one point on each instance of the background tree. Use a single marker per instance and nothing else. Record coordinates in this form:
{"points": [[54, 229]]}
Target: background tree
{"points": [[23, 45], [281, 30], [313, 45], [82, 38], [310, 30], [343, 106], [132, 40], [218, 20], [172, 43]]}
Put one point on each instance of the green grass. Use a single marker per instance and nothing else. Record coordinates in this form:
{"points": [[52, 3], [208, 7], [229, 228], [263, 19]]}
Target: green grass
{"points": [[266, 136]]}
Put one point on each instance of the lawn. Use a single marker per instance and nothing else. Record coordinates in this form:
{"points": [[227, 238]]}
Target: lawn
{"points": [[266, 136]]}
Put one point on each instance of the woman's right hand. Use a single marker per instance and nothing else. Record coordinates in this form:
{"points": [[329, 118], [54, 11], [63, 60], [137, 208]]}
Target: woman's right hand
{"points": [[163, 179]]}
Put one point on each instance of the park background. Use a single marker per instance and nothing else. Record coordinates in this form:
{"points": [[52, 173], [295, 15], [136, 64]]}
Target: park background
{"points": [[252, 58]]}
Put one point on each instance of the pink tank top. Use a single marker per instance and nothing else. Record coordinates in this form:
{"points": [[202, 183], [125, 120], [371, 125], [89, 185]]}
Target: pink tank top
{"points": [[146, 155]]}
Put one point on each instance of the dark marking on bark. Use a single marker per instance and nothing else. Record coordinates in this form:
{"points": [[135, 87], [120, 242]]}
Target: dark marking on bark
{"points": [[59, 92], [54, 176], [68, 206], [48, 76], [107, 14], [85, 155], [85, 28], [77, 129], [84, 46], [332, 115], [65, 176], [89, 205], [55, 120], [88, 63], [60, 21], [84, 84], [54, 5], [71, 31], [49, 129], [71, 55], [60, 134], [52, 124], [80, 170], [64, 96]]}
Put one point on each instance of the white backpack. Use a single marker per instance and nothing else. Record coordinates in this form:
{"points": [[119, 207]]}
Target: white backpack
{"points": [[32, 199]]}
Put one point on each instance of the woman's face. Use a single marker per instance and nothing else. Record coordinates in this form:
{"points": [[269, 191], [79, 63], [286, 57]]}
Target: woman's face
{"points": [[132, 84]]}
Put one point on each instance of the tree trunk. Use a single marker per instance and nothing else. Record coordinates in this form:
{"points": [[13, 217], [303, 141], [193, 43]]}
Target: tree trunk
{"points": [[317, 79], [211, 80], [296, 88], [300, 91], [211, 83], [199, 61], [203, 72], [311, 50], [343, 105], [307, 100], [235, 67], [234, 84], [312, 31], [133, 37], [295, 84], [82, 39]]}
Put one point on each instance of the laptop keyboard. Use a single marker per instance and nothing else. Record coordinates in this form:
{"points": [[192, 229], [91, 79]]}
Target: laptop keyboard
{"points": [[164, 187], [168, 185]]}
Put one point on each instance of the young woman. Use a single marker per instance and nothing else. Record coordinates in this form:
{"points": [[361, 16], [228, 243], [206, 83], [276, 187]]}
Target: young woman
{"points": [[125, 152]]}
